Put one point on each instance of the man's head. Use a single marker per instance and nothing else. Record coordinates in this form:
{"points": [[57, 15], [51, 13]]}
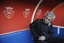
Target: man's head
{"points": [[49, 17]]}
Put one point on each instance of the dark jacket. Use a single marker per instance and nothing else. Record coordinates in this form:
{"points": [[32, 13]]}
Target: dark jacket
{"points": [[39, 28]]}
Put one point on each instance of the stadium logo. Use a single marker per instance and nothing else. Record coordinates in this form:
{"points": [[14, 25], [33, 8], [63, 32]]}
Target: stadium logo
{"points": [[8, 12]]}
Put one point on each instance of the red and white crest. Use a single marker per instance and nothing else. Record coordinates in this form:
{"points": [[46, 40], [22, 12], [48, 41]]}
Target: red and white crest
{"points": [[26, 12], [39, 13], [8, 12]]}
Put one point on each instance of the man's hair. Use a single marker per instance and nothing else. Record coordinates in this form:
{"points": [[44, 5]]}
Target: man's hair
{"points": [[51, 14]]}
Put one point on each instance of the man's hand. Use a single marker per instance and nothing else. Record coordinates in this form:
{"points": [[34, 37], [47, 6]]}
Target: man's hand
{"points": [[42, 38]]}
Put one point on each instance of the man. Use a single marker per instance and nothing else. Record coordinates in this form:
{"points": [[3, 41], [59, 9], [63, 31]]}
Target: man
{"points": [[42, 30]]}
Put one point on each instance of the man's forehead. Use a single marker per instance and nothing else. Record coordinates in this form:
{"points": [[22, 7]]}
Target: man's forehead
{"points": [[49, 17]]}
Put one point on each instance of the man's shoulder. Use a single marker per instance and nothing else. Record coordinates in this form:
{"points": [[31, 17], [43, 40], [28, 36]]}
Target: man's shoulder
{"points": [[38, 20]]}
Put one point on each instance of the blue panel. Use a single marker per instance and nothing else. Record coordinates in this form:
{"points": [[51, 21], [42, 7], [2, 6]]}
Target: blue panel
{"points": [[24, 36], [18, 37], [55, 31], [61, 32]]}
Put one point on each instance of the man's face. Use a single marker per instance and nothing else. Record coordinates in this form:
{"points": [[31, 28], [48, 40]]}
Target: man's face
{"points": [[48, 19]]}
